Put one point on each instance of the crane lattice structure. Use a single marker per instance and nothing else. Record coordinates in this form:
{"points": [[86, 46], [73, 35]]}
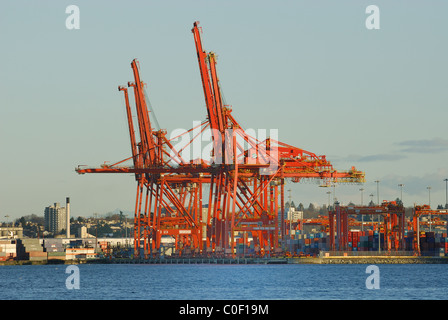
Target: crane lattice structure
{"points": [[245, 177]]}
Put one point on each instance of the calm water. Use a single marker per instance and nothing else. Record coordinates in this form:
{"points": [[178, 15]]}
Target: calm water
{"points": [[216, 282]]}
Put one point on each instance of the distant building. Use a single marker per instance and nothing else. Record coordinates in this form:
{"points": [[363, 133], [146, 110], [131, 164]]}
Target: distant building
{"points": [[82, 232], [294, 215], [291, 212], [11, 232], [55, 218]]}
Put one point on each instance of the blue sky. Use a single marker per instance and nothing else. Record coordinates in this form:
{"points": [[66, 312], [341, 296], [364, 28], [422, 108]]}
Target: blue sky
{"points": [[375, 99]]}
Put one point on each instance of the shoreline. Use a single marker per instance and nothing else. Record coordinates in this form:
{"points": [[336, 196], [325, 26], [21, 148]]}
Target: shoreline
{"points": [[305, 260]]}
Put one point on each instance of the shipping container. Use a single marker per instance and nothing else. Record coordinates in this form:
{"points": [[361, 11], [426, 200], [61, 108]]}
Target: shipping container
{"points": [[56, 254], [33, 248], [55, 240], [38, 258], [9, 245], [37, 254], [49, 250], [56, 258], [9, 241]]}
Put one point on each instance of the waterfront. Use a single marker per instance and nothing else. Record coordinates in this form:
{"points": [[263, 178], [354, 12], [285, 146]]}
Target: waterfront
{"points": [[224, 282]]}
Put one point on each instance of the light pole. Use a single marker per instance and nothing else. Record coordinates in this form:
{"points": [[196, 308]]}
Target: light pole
{"points": [[334, 193], [429, 195], [401, 195], [362, 216], [96, 233], [290, 216], [446, 193], [371, 201], [378, 198], [126, 230], [378, 191]]}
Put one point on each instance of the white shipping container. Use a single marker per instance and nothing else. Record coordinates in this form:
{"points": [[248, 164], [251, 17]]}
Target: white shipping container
{"points": [[38, 258]]}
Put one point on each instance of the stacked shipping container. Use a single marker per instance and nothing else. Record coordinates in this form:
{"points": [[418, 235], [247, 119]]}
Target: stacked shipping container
{"points": [[433, 244], [55, 249], [365, 240], [79, 253], [311, 243], [430, 243], [30, 249], [49, 249], [8, 249]]}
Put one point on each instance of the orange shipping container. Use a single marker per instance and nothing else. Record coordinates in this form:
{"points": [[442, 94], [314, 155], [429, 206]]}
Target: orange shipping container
{"points": [[56, 258], [37, 254]]}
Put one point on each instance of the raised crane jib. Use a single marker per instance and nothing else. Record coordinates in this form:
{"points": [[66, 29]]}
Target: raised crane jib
{"points": [[207, 68], [147, 144]]}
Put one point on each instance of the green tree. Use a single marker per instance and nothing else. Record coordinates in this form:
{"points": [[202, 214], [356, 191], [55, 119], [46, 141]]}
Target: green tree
{"points": [[80, 219], [22, 221], [311, 207]]}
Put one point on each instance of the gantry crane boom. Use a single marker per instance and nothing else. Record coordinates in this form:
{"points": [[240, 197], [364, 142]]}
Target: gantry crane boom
{"points": [[131, 128], [297, 163], [214, 116], [147, 143], [216, 92]]}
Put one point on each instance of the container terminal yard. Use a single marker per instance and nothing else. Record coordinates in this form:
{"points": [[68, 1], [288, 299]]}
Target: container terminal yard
{"points": [[242, 188], [318, 245], [308, 240]]}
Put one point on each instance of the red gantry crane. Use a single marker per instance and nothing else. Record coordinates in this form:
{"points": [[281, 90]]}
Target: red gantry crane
{"points": [[424, 210], [245, 178], [393, 214]]}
